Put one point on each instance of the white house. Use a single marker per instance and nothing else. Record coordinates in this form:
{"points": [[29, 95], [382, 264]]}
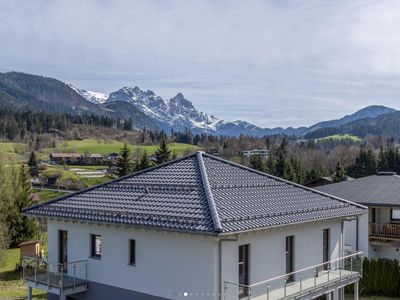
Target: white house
{"points": [[198, 227], [377, 234], [263, 153]]}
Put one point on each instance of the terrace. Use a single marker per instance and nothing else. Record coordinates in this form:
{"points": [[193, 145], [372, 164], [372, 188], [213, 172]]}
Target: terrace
{"points": [[61, 279], [307, 283]]}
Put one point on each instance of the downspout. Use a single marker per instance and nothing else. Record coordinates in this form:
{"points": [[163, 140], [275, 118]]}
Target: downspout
{"points": [[342, 239], [220, 240]]}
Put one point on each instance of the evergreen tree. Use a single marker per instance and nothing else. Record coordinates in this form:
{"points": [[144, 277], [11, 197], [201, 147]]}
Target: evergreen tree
{"points": [[21, 228], [364, 165], [174, 156], [339, 172], [280, 165], [270, 165], [257, 163], [144, 161], [296, 171], [163, 153], [124, 162], [33, 164]]}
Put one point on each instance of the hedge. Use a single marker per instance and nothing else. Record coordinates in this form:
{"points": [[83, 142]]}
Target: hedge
{"points": [[381, 277]]}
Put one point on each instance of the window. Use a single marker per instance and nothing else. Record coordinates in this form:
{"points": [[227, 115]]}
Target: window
{"points": [[395, 214], [325, 247], [132, 252], [290, 257], [95, 241], [243, 270]]}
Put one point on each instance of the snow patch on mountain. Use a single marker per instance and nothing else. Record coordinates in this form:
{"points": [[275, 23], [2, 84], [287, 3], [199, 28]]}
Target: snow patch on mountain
{"points": [[94, 97], [175, 113]]}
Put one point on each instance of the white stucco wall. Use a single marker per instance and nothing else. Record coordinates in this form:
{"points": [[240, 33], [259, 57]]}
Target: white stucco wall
{"points": [[267, 252], [169, 263], [166, 263]]}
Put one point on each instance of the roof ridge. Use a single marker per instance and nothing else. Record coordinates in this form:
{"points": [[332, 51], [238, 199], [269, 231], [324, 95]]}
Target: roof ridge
{"points": [[284, 180], [208, 192]]}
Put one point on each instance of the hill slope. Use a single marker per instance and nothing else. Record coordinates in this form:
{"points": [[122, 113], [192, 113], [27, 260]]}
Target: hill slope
{"points": [[20, 91]]}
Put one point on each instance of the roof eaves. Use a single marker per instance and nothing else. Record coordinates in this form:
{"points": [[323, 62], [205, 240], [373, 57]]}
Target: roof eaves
{"points": [[209, 195]]}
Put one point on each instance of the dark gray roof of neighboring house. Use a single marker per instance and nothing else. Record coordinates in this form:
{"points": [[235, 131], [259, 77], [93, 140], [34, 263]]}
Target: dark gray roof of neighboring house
{"points": [[376, 190], [198, 193]]}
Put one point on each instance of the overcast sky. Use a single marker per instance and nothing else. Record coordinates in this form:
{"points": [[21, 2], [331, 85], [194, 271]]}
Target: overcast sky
{"points": [[273, 63]]}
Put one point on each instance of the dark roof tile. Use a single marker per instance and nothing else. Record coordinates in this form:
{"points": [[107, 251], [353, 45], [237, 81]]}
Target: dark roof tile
{"points": [[198, 193]]}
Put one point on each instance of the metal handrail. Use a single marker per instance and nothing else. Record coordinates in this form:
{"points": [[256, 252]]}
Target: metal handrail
{"points": [[35, 264], [295, 272]]}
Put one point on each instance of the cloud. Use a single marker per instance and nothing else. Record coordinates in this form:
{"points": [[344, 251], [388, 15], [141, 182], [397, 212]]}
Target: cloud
{"points": [[275, 63]]}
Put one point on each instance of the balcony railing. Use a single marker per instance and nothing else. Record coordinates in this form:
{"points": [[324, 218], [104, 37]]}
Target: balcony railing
{"points": [[308, 283], [66, 278], [384, 230]]}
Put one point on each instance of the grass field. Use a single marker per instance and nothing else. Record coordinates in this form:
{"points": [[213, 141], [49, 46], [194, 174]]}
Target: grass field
{"points": [[354, 138], [11, 284], [61, 171], [48, 195], [105, 147], [13, 150]]}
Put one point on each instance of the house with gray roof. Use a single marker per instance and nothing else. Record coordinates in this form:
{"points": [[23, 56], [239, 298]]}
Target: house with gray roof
{"points": [[377, 235], [199, 227]]}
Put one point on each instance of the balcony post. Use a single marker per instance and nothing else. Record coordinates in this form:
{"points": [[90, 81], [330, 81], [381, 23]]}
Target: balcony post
{"points": [[35, 274], [48, 276], [29, 293], [351, 265], [267, 291], [356, 296], [62, 278], [284, 289], [86, 273], [74, 276], [301, 283]]}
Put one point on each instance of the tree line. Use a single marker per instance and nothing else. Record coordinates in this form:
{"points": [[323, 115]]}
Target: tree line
{"points": [[18, 125], [127, 163]]}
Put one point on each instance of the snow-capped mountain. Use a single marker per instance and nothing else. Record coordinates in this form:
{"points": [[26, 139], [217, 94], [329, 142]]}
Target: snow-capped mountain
{"points": [[176, 113], [179, 114], [94, 97]]}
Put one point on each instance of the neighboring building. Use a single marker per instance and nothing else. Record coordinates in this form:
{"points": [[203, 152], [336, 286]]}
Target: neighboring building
{"points": [[29, 249], [319, 181], [378, 235], [91, 158], [197, 227], [324, 181], [112, 157], [250, 153]]}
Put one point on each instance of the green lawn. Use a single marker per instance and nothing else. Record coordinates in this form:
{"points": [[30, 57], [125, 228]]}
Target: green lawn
{"points": [[11, 284], [105, 147], [354, 138], [96, 180], [13, 150], [48, 195], [61, 171]]}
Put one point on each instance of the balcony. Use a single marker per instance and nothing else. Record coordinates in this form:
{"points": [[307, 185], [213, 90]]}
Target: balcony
{"points": [[307, 283], [384, 233], [61, 279]]}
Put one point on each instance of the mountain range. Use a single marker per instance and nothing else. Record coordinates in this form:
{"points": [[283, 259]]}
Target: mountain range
{"points": [[147, 109]]}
